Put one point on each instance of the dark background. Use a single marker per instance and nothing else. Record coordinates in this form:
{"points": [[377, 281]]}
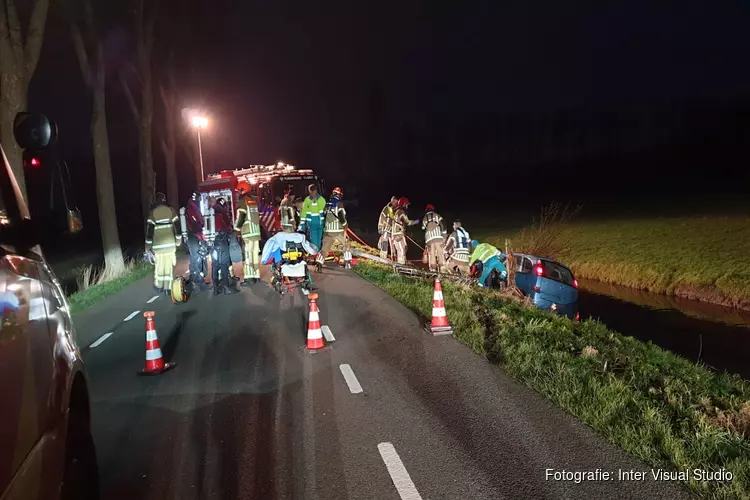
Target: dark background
{"points": [[485, 108]]}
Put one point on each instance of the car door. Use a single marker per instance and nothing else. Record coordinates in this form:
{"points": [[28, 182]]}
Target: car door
{"points": [[524, 279], [26, 364]]}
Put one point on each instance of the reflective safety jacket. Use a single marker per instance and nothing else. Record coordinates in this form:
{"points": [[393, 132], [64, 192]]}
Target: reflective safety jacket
{"points": [[400, 222], [483, 252], [287, 215], [458, 244], [313, 210], [385, 221], [433, 227], [335, 218], [248, 220], [163, 230]]}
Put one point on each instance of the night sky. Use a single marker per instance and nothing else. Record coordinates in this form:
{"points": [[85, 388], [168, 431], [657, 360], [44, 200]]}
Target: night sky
{"points": [[400, 94]]}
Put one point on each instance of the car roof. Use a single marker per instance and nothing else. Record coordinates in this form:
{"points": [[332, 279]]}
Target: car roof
{"points": [[535, 258]]}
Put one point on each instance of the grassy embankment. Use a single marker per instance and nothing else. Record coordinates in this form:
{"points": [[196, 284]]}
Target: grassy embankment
{"points": [[95, 284], [655, 405], [701, 258]]}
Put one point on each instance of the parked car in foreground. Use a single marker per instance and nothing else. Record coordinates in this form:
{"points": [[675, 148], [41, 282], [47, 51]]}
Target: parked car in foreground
{"points": [[46, 448], [549, 284]]}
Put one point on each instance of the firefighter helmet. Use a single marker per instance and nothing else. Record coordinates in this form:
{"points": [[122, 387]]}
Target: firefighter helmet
{"points": [[160, 198], [180, 290], [403, 202], [243, 188], [429, 208], [337, 192]]}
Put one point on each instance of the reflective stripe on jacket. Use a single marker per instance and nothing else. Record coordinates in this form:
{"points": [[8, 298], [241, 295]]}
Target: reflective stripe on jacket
{"points": [[385, 221], [313, 210], [248, 219], [483, 252], [400, 222], [162, 232], [433, 226], [286, 214], [334, 215]]}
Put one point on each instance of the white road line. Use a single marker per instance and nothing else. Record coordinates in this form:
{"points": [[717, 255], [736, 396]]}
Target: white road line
{"points": [[152, 299], [132, 315], [328, 334], [101, 339], [351, 379], [399, 475]]}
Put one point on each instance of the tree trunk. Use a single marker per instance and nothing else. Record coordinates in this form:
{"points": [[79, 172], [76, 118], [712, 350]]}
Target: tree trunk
{"points": [[105, 193], [12, 101], [169, 143], [147, 158]]}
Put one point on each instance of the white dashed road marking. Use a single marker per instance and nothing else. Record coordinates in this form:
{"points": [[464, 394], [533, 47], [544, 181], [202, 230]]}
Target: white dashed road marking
{"points": [[101, 339], [351, 379], [132, 315], [399, 475], [328, 334], [152, 299]]}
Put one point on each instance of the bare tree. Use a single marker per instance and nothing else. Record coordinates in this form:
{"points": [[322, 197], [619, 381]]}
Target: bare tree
{"points": [[91, 60], [144, 115], [168, 91], [18, 61]]}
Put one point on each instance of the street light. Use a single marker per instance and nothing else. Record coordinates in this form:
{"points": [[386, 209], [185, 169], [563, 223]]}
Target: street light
{"points": [[200, 122]]}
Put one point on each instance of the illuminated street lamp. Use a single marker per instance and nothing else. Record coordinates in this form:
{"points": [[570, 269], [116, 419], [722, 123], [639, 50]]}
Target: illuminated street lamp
{"points": [[200, 122]]}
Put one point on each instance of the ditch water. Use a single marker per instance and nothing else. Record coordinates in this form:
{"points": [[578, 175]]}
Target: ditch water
{"points": [[717, 336]]}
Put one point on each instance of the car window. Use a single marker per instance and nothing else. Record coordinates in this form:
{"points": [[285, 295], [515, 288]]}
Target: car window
{"points": [[558, 273], [526, 265]]}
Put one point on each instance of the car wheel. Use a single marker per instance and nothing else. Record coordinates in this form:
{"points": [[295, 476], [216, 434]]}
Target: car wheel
{"points": [[81, 474]]}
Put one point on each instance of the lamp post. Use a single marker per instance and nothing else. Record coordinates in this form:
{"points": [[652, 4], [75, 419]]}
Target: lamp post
{"points": [[200, 122]]}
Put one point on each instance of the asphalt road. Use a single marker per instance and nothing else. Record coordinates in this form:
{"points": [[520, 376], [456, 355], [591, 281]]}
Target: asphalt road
{"points": [[249, 414]]}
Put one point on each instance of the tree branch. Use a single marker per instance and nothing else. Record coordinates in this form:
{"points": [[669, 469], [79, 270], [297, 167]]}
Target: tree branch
{"points": [[35, 37], [131, 101], [83, 58], [14, 30]]}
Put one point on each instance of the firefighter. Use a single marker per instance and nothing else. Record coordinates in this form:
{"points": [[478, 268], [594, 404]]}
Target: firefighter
{"points": [[221, 259], [458, 249], [297, 213], [248, 225], [196, 242], [312, 216], [400, 222], [434, 238], [163, 237], [335, 228], [385, 227], [286, 213]]}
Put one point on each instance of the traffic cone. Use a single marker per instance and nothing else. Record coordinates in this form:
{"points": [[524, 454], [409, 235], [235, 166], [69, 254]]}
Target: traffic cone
{"points": [[439, 324], [314, 334], [155, 364]]}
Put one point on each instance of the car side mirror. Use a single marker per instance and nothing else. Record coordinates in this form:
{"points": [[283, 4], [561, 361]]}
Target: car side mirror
{"points": [[34, 131]]}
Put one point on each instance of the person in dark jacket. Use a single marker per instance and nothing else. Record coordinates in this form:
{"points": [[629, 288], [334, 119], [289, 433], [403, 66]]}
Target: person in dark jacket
{"points": [[221, 258], [196, 242]]}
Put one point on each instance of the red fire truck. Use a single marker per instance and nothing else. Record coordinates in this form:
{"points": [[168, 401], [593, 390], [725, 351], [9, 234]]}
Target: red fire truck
{"points": [[268, 183]]}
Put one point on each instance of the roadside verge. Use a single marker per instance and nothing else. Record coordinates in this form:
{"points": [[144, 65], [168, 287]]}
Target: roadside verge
{"points": [[655, 405], [84, 299]]}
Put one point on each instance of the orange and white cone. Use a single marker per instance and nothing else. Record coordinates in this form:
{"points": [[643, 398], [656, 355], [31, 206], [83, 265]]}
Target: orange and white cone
{"points": [[314, 334], [439, 324], [154, 360]]}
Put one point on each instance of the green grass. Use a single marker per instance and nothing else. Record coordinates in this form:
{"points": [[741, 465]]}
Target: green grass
{"points": [[84, 299], [655, 405], [702, 258]]}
